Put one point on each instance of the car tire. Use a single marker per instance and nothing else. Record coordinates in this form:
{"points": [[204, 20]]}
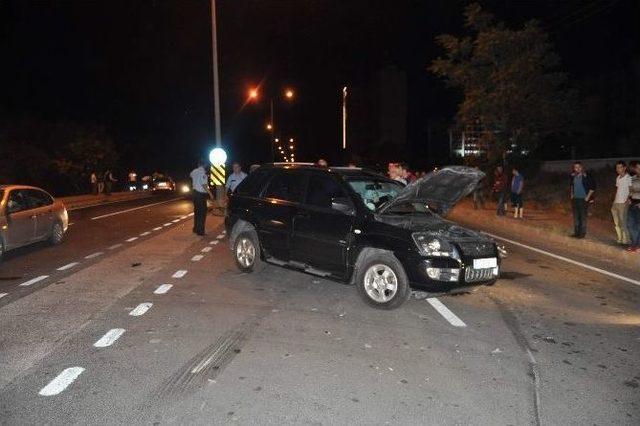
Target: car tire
{"points": [[382, 281], [57, 234], [246, 252]]}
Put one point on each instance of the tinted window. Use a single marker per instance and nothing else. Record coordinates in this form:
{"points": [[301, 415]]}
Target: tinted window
{"points": [[38, 198], [253, 184], [323, 190], [17, 201], [286, 185]]}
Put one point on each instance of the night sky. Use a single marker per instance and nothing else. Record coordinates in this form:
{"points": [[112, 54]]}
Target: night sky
{"points": [[143, 68]]}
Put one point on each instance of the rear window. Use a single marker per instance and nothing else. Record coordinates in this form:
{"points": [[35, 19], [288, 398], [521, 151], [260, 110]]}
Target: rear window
{"points": [[286, 185], [252, 185]]}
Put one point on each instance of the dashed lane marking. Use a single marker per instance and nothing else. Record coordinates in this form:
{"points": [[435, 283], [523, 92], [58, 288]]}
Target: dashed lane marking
{"points": [[141, 309], [115, 246], [214, 242], [131, 239], [184, 217], [3, 295], [94, 255], [566, 259], [167, 224], [445, 312], [224, 232], [206, 249], [190, 214], [109, 338], [221, 236], [175, 220], [34, 280], [68, 266], [163, 289], [145, 233], [133, 209], [179, 274], [61, 381], [157, 228], [197, 258]]}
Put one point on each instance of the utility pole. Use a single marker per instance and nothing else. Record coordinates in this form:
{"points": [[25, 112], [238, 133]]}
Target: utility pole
{"points": [[216, 83], [344, 117]]}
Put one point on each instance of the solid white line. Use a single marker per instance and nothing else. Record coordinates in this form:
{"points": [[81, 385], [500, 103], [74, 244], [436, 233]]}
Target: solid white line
{"points": [[566, 259], [109, 338], [34, 280], [167, 224], [141, 309], [115, 246], [68, 266], [179, 274], [197, 258], [61, 381], [163, 289], [445, 312], [3, 295], [157, 228], [91, 256], [206, 249], [131, 239], [132, 209], [175, 220], [144, 234], [221, 236]]}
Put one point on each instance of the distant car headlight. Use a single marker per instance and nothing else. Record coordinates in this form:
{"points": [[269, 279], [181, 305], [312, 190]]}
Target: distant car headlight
{"points": [[429, 245], [145, 186], [185, 188]]}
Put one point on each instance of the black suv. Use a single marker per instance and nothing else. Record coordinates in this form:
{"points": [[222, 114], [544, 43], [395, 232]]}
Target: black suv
{"points": [[356, 226]]}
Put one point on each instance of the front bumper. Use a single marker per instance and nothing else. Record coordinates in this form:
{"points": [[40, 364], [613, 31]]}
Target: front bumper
{"points": [[442, 274]]}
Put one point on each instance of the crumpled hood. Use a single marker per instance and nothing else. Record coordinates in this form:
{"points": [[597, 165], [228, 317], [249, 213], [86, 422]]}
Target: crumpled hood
{"points": [[435, 225], [440, 189]]}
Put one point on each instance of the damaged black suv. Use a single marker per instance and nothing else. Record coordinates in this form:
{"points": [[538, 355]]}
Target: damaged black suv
{"points": [[356, 226]]}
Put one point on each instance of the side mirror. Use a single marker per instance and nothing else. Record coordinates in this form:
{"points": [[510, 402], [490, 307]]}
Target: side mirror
{"points": [[342, 205]]}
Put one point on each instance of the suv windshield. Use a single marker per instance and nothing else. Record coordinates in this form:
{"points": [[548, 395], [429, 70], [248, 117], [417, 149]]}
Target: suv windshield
{"points": [[374, 192]]}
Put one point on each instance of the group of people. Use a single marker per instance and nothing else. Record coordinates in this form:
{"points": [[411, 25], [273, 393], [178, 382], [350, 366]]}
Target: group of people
{"points": [[626, 205], [102, 183], [505, 190]]}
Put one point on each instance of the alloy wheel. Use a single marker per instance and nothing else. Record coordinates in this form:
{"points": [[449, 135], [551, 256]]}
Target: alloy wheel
{"points": [[380, 283], [245, 252]]}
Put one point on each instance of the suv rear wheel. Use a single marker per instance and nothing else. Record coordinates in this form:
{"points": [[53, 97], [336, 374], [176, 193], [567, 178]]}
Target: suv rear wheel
{"points": [[246, 252], [381, 281]]}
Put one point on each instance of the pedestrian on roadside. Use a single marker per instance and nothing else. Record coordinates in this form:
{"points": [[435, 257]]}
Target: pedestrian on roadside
{"points": [[582, 188], [517, 185], [201, 193], [108, 182], [94, 183], [478, 193], [500, 190], [633, 218], [133, 180], [101, 183], [235, 178], [620, 206]]}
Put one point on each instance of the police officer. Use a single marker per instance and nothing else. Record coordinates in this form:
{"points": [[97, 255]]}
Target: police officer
{"points": [[200, 194], [235, 178]]}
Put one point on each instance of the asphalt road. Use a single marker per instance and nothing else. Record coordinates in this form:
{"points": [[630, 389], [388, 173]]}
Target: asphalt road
{"points": [[165, 330]]}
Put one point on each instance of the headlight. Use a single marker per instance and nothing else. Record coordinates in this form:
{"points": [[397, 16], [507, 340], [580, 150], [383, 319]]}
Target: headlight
{"points": [[185, 189], [430, 245]]}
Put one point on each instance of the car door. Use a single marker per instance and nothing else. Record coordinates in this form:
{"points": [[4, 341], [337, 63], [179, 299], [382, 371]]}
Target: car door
{"points": [[275, 219], [42, 208], [322, 225], [21, 221]]}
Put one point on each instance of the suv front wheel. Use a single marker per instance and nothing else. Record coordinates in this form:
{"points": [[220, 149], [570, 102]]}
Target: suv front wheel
{"points": [[381, 281], [246, 251]]}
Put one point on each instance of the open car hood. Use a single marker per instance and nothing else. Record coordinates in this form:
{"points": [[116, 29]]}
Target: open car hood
{"points": [[440, 190]]}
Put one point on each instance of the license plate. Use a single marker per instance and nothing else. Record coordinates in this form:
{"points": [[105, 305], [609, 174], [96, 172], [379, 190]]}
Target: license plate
{"points": [[489, 262]]}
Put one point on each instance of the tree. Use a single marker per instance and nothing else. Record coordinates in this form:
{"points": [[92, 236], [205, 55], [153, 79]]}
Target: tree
{"points": [[509, 80]]}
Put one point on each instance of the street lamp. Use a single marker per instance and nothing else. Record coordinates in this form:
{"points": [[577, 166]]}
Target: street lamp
{"points": [[253, 94], [288, 93], [269, 126]]}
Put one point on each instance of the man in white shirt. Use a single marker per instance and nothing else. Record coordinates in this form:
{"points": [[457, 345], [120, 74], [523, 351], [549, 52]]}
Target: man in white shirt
{"points": [[620, 207], [200, 194], [235, 178]]}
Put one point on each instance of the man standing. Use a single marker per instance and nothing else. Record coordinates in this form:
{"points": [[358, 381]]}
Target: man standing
{"points": [[108, 181], [235, 178], [581, 187], [620, 206], [200, 194], [94, 183], [500, 190], [517, 185]]}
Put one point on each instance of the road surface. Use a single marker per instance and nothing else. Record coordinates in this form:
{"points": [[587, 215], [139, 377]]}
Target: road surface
{"points": [[163, 329]]}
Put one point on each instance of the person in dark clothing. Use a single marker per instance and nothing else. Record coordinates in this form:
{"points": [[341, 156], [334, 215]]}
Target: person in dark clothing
{"points": [[500, 190], [201, 192], [108, 182], [582, 188], [517, 186]]}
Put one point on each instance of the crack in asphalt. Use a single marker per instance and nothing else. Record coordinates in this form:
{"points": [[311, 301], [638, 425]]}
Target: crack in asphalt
{"points": [[512, 323]]}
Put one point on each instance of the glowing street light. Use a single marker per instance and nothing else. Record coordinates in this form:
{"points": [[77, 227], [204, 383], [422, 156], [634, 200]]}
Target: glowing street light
{"points": [[290, 146], [253, 94], [288, 93], [277, 140], [269, 126], [291, 140]]}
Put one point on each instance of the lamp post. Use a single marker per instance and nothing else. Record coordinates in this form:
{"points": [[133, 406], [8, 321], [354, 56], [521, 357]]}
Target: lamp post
{"points": [[253, 95], [344, 117]]}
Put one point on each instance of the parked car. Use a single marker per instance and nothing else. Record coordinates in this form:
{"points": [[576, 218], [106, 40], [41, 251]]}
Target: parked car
{"points": [[356, 226], [29, 215], [163, 184]]}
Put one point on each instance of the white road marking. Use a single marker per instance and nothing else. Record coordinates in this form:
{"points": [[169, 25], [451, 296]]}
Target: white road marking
{"points": [[68, 266], [224, 232], [131, 239], [71, 223], [115, 246], [566, 259], [221, 236], [445, 312], [34, 280], [141, 309], [163, 289], [214, 242], [132, 209], [179, 274], [190, 214], [109, 338], [96, 254], [206, 249], [157, 228], [167, 224], [197, 258], [3, 295], [61, 381], [183, 217], [144, 234], [175, 220]]}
